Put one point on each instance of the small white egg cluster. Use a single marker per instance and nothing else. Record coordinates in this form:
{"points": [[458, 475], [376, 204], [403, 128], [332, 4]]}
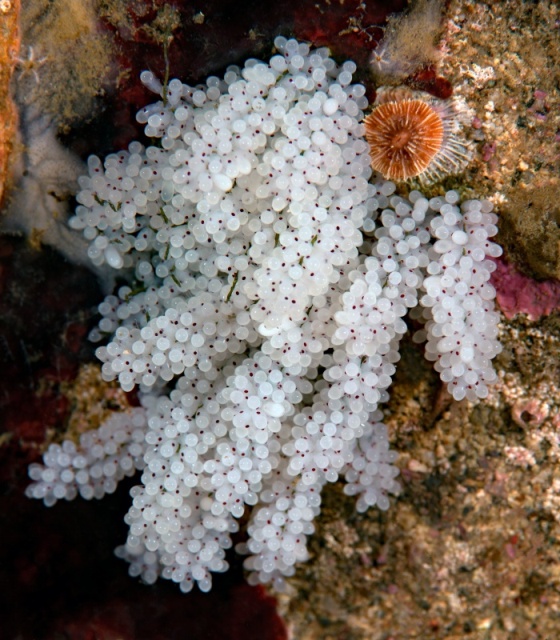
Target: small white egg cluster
{"points": [[212, 448], [371, 475], [92, 469], [462, 326], [279, 529], [174, 532], [197, 332], [268, 282]]}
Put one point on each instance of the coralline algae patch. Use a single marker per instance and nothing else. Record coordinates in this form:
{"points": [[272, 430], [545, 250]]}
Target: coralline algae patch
{"points": [[517, 293]]}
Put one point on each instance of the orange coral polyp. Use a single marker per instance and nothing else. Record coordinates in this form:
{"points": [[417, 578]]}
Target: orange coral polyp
{"points": [[404, 137]]}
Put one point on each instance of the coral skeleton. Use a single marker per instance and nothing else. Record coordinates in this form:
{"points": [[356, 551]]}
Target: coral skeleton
{"points": [[412, 134], [268, 280]]}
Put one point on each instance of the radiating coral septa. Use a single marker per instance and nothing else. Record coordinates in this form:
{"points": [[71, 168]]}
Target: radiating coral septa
{"points": [[415, 135]]}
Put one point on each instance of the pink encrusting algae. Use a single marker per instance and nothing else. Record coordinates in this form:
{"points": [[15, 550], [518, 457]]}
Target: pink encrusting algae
{"points": [[517, 293]]}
